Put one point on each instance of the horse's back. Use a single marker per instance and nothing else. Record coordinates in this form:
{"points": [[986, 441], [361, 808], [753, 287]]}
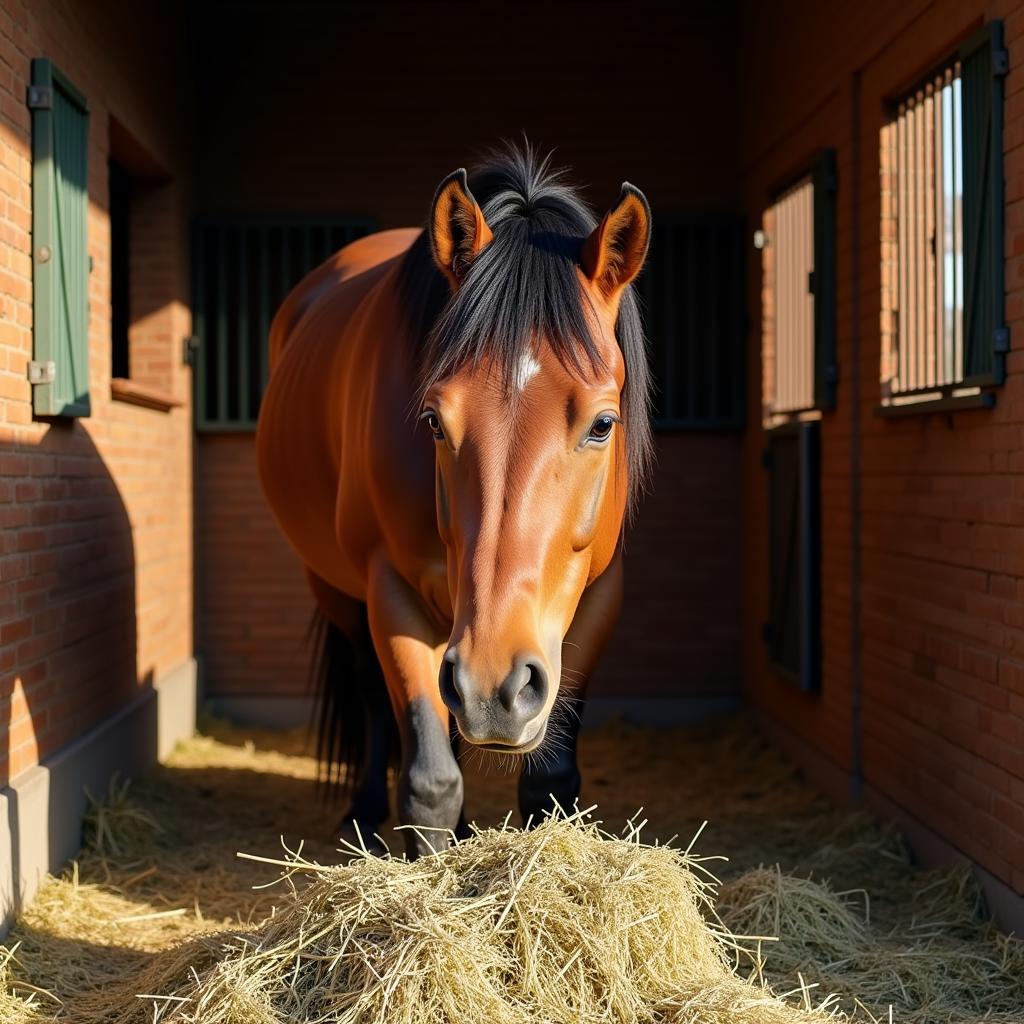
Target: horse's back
{"points": [[349, 266], [332, 361]]}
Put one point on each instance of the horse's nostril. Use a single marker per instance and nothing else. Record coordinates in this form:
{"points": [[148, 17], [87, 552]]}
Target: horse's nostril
{"points": [[525, 690], [446, 681], [535, 692]]}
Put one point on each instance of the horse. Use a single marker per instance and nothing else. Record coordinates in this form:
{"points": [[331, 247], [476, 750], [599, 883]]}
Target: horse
{"points": [[453, 435]]}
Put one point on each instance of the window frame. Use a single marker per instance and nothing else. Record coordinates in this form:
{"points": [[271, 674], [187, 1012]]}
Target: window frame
{"points": [[821, 172], [983, 208]]}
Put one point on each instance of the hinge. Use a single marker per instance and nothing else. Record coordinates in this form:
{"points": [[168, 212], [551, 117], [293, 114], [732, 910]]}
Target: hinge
{"points": [[1000, 63], [42, 372], [40, 97], [190, 349], [811, 279], [1001, 339]]}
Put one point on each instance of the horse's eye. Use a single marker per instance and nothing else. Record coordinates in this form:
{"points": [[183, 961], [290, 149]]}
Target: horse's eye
{"points": [[435, 425], [602, 428]]}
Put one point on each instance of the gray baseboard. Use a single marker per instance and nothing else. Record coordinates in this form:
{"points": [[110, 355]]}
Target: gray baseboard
{"points": [[657, 711], [41, 808], [262, 712], [286, 712]]}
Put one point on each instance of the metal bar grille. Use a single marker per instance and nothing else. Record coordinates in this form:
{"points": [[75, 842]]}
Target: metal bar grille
{"points": [[925, 178], [789, 269], [244, 270], [692, 294]]}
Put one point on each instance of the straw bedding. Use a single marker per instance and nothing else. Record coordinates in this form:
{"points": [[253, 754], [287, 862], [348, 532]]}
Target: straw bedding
{"points": [[559, 924]]}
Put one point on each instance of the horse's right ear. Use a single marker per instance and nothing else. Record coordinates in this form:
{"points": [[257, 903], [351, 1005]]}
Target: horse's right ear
{"points": [[457, 227], [615, 251]]}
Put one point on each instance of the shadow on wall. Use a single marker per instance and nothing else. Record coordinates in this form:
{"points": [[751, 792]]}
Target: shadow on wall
{"points": [[67, 650]]}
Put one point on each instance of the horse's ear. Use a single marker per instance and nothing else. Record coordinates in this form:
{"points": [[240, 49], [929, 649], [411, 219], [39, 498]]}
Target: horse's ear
{"points": [[457, 227], [615, 251]]}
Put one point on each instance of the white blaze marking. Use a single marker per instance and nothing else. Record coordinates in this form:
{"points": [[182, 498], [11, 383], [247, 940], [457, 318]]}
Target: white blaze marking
{"points": [[528, 369]]}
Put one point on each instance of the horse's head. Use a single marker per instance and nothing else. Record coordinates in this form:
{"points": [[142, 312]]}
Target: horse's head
{"points": [[538, 409]]}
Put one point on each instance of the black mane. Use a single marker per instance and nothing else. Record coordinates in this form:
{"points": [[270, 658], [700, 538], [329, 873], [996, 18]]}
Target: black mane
{"points": [[524, 286]]}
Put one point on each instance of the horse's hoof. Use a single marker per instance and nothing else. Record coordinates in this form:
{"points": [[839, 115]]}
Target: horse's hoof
{"points": [[363, 838]]}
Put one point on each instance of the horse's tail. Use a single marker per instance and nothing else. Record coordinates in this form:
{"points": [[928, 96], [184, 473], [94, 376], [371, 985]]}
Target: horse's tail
{"points": [[352, 707]]}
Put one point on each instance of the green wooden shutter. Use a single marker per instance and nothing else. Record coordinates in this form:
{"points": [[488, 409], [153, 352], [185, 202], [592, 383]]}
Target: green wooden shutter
{"points": [[823, 283], [60, 256], [983, 65]]}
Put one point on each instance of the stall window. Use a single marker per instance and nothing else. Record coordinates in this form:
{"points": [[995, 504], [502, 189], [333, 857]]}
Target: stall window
{"points": [[943, 332]]}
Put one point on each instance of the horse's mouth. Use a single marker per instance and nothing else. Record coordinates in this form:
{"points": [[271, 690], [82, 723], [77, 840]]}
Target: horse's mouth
{"points": [[522, 748]]}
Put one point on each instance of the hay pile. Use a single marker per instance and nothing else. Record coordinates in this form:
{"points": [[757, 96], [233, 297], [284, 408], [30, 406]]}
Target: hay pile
{"points": [[561, 924]]}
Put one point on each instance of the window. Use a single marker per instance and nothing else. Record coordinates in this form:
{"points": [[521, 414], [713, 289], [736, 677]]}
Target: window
{"points": [[60, 265], [120, 269], [797, 243], [692, 303], [147, 251], [943, 333], [793, 629], [244, 271]]}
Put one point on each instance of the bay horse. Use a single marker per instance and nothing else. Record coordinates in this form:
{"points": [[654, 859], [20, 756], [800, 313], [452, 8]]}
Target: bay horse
{"points": [[454, 430]]}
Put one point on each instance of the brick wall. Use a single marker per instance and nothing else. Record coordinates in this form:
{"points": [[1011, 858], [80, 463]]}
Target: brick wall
{"points": [[369, 119], [937, 521], [95, 514], [251, 590]]}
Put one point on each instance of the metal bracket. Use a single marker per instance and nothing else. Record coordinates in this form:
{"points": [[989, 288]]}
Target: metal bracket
{"points": [[42, 372], [40, 97], [190, 349], [1000, 63]]}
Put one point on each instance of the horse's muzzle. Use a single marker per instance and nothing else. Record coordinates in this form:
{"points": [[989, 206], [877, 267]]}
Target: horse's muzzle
{"points": [[509, 717]]}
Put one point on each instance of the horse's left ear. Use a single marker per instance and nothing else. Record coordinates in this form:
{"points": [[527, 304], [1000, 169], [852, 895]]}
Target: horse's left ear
{"points": [[457, 227], [615, 251]]}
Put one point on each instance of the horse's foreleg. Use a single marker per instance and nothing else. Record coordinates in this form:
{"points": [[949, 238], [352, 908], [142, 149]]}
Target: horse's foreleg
{"points": [[357, 703], [551, 775], [409, 646]]}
